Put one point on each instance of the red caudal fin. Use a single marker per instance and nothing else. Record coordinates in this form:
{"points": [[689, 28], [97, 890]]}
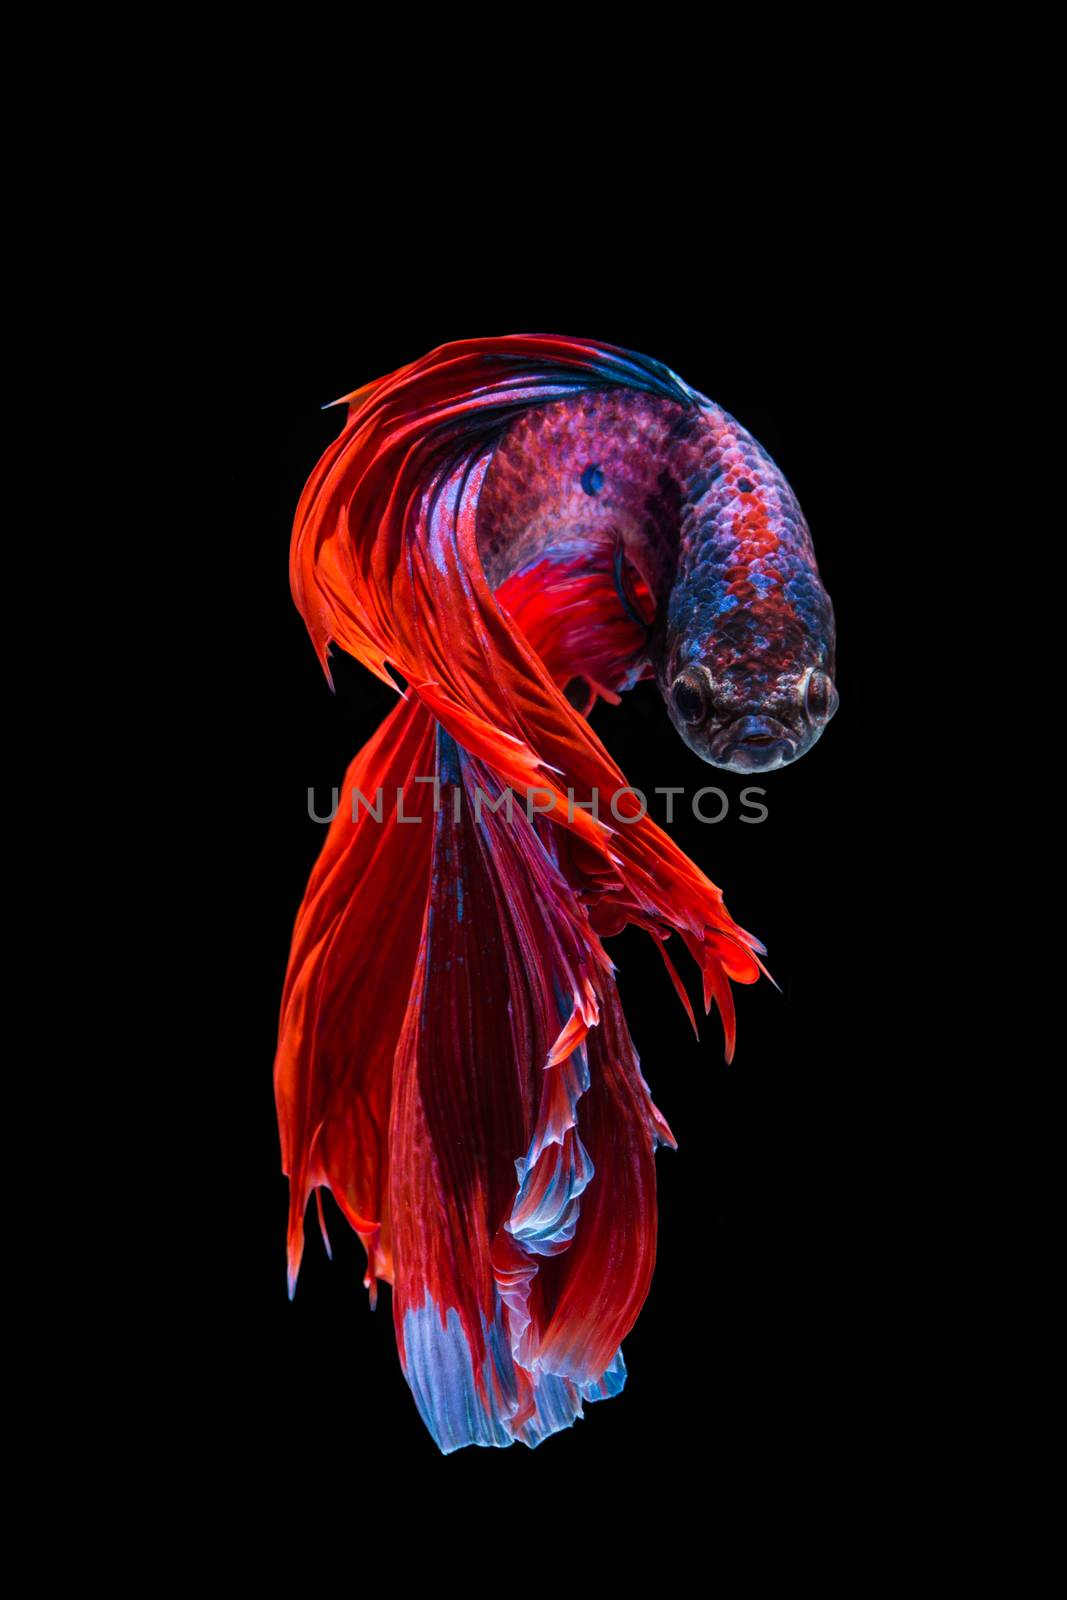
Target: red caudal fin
{"points": [[522, 1187], [453, 1062]]}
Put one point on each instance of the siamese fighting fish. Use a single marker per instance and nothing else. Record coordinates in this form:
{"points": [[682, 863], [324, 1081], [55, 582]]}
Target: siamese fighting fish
{"points": [[506, 531]]}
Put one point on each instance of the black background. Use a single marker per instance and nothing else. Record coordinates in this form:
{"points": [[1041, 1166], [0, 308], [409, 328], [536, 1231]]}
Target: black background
{"points": [[768, 1347]]}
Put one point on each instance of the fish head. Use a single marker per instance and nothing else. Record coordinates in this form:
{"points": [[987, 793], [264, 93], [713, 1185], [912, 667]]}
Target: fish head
{"points": [[751, 721]]}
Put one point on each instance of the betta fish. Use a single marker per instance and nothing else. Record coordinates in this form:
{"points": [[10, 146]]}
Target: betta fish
{"points": [[506, 531]]}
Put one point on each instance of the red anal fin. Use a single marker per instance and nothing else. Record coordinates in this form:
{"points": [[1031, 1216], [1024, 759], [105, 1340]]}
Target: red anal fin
{"points": [[661, 946], [350, 966]]}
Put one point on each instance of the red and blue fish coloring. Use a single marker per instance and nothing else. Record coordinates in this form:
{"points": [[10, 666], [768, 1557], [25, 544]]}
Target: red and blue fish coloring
{"points": [[515, 527]]}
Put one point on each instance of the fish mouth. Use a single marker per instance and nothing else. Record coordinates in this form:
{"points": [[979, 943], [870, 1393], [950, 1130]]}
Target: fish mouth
{"points": [[753, 744]]}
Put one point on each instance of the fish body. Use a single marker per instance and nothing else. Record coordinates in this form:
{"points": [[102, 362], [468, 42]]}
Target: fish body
{"points": [[741, 641], [516, 526]]}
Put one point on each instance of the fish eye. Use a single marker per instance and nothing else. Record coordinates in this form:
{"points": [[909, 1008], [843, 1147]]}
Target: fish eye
{"points": [[820, 697], [690, 695], [592, 479]]}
